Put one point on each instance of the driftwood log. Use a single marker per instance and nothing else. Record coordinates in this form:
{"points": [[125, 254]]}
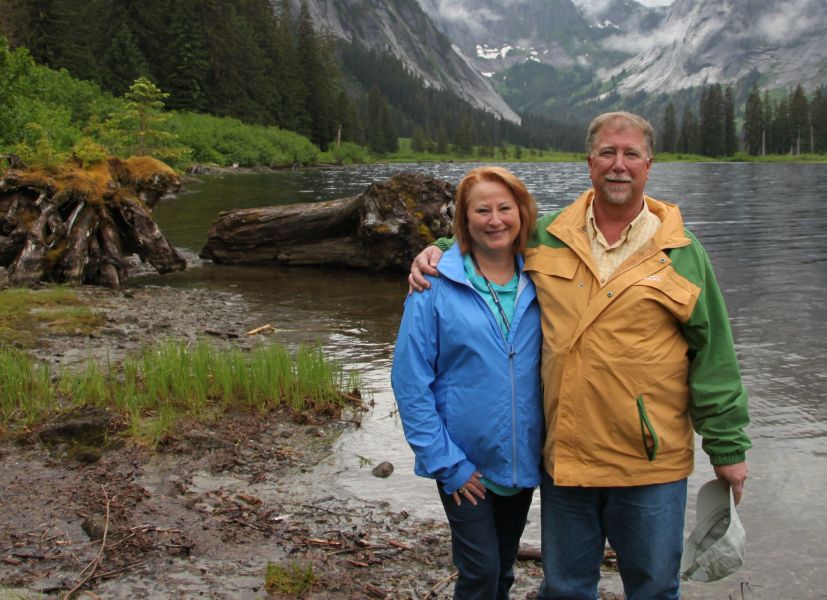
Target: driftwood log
{"points": [[79, 225], [383, 228]]}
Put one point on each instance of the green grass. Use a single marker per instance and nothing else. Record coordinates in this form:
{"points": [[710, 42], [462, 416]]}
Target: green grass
{"points": [[25, 313], [170, 381], [295, 578]]}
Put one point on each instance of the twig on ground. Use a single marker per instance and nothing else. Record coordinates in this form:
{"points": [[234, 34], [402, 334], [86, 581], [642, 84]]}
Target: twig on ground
{"points": [[96, 562], [440, 584]]}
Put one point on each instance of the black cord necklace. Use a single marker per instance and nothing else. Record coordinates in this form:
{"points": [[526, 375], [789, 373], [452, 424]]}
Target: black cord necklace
{"points": [[493, 292]]}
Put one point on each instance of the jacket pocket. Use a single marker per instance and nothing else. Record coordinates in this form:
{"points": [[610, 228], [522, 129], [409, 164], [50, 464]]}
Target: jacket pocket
{"points": [[554, 265], [647, 431], [667, 286]]}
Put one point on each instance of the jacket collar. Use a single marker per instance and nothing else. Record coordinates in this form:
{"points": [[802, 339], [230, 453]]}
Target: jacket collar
{"points": [[451, 265], [570, 225]]}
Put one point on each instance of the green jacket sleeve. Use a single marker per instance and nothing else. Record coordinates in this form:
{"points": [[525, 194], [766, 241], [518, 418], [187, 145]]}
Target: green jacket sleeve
{"points": [[444, 243], [718, 404]]}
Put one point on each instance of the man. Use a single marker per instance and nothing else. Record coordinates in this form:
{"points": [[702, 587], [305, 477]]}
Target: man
{"points": [[637, 351]]}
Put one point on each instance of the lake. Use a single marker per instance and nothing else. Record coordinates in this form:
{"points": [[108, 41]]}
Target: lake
{"points": [[765, 228]]}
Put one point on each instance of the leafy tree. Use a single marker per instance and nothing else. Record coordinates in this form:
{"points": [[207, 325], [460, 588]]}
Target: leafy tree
{"points": [[669, 134], [15, 70], [754, 126]]}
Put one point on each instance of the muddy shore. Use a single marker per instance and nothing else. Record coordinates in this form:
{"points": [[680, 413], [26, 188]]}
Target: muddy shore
{"points": [[202, 516]]}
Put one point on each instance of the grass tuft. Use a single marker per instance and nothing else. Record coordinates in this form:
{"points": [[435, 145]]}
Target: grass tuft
{"points": [[295, 578], [172, 380]]}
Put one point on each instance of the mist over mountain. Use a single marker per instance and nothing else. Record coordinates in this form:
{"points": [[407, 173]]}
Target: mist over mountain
{"points": [[571, 59], [401, 28], [723, 41]]}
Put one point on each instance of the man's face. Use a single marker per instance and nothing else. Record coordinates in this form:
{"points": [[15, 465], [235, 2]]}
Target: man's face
{"points": [[619, 164]]}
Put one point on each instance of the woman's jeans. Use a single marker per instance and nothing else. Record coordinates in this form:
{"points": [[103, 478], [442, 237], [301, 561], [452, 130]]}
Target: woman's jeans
{"points": [[643, 524], [484, 540]]}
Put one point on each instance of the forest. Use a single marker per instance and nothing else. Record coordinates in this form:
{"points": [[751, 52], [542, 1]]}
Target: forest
{"points": [[249, 84]]}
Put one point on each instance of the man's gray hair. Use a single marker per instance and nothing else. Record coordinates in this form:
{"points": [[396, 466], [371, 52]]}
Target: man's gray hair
{"points": [[624, 119]]}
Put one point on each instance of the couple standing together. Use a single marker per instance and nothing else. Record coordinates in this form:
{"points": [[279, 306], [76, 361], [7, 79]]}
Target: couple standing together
{"points": [[576, 351]]}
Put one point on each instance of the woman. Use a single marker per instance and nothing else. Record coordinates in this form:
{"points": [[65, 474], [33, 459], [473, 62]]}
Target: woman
{"points": [[466, 379]]}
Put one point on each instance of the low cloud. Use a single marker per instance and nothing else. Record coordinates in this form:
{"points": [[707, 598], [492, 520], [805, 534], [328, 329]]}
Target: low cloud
{"points": [[790, 19]]}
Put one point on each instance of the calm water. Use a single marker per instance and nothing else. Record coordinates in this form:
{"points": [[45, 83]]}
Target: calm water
{"points": [[765, 227]]}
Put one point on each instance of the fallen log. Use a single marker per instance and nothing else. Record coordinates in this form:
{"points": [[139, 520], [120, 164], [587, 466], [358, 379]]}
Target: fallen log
{"points": [[78, 225], [383, 228]]}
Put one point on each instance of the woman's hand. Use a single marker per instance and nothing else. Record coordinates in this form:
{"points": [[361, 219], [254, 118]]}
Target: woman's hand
{"points": [[473, 487]]}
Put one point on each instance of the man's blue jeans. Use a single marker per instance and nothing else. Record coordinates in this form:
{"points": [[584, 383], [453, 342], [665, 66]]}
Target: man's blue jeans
{"points": [[644, 525], [484, 540]]}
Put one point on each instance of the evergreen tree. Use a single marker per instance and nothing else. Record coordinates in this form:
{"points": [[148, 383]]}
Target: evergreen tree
{"points": [[136, 129], [712, 121], [187, 62], [769, 117], [123, 62], [669, 134], [730, 135], [781, 139], [754, 127], [689, 138], [348, 121], [317, 75], [381, 135], [293, 112], [799, 120], [464, 140], [419, 142], [441, 141], [818, 118]]}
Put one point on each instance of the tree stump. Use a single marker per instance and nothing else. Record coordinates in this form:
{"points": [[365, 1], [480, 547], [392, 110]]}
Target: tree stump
{"points": [[383, 228], [79, 225]]}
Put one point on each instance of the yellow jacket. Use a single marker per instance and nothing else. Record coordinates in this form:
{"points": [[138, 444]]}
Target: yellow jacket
{"points": [[630, 367]]}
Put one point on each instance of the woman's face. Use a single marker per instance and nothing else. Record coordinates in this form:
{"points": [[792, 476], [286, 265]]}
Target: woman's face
{"points": [[493, 218]]}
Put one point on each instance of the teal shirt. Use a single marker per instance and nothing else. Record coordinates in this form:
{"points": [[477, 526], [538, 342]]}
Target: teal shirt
{"points": [[506, 293], [508, 299]]}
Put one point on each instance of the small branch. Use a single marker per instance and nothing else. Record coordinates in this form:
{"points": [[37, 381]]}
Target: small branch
{"points": [[96, 562], [439, 584]]}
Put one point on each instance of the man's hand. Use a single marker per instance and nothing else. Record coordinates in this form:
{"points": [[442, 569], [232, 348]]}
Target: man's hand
{"points": [[732, 476], [424, 264]]}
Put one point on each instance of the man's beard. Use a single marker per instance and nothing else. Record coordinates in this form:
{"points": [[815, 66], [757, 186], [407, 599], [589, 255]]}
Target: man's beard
{"points": [[617, 194]]}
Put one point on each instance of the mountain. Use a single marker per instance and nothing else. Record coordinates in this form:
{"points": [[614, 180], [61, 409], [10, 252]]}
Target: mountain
{"points": [[724, 41], [498, 34], [401, 28]]}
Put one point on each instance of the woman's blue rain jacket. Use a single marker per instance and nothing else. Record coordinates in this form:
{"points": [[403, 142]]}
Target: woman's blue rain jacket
{"points": [[468, 397]]}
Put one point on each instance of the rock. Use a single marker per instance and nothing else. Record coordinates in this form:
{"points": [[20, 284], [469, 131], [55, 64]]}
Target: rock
{"points": [[383, 469], [94, 526], [84, 426], [86, 455], [383, 228]]}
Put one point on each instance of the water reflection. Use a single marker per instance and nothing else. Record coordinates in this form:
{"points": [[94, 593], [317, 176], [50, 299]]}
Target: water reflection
{"points": [[765, 228]]}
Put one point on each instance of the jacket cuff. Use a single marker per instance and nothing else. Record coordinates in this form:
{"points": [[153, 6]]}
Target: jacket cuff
{"points": [[728, 459], [460, 477]]}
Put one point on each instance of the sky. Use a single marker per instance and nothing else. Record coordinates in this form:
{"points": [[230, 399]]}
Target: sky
{"points": [[656, 2]]}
